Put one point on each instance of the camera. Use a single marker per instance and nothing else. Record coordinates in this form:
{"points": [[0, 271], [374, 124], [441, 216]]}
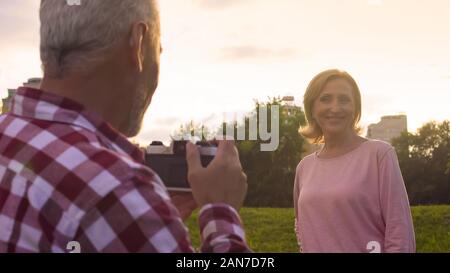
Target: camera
{"points": [[170, 162]]}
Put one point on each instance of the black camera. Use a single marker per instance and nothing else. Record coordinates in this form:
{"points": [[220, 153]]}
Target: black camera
{"points": [[170, 162]]}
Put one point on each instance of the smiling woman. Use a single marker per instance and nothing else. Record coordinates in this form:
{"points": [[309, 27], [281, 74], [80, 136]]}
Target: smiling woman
{"points": [[329, 86], [350, 195]]}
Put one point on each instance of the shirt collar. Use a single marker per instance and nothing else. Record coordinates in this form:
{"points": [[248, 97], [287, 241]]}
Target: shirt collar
{"points": [[37, 104]]}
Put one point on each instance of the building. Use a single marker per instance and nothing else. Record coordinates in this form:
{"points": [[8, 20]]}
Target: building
{"points": [[33, 83], [288, 104], [388, 128], [288, 100], [6, 102]]}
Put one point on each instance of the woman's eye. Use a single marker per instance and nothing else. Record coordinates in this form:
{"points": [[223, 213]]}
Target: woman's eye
{"points": [[344, 99], [324, 98]]}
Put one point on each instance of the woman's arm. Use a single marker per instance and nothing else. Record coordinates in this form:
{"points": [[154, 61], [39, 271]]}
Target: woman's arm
{"points": [[296, 194], [396, 212]]}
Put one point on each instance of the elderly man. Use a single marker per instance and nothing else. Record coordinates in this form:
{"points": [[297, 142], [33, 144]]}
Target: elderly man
{"points": [[68, 172]]}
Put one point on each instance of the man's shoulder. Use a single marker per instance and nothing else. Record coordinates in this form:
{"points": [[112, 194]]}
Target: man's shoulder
{"points": [[83, 171], [74, 161], [95, 162]]}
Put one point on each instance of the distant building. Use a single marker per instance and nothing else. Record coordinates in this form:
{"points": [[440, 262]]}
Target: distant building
{"points": [[388, 128], [289, 104], [6, 102], [33, 83], [289, 100], [290, 107]]}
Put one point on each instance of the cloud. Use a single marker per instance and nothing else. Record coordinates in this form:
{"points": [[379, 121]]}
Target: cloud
{"points": [[375, 2], [167, 121], [19, 30], [220, 4], [19, 22], [253, 52]]}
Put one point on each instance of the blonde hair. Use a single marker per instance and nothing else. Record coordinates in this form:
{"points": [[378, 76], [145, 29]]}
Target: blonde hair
{"points": [[313, 131]]}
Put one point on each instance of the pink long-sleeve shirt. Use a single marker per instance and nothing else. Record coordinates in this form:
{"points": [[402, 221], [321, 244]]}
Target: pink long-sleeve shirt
{"points": [[356, 202]]}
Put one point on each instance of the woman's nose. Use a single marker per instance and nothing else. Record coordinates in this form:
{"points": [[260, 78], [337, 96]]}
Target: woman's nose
{"points": [[335, 107]]}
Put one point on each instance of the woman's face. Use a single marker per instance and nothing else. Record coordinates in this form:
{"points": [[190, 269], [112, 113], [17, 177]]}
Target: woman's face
{"points": [[334, 109]]}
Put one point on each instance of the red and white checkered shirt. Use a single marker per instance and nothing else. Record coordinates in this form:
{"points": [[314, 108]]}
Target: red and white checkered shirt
{"points": [[66, 175]]}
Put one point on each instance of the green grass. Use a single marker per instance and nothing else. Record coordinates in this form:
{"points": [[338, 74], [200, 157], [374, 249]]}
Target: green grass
{"points": [[272, 229], [432, 227]]}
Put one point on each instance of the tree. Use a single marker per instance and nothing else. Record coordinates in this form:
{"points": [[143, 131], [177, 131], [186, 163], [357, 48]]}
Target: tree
{"points": [[423, 159], [448, 164]]}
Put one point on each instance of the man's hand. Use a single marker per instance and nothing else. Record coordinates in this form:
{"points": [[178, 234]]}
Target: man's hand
{"points": [[184, 202], [223, 181]]}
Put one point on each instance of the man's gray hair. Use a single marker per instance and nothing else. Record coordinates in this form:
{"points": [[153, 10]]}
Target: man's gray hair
{"points": [[77, 37]]}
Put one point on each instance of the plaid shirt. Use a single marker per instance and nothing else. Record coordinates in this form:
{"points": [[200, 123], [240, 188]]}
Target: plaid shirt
{"points": [[66, 175]]}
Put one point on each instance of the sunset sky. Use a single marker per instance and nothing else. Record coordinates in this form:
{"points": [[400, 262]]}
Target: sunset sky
{"points": [[220, 55]]}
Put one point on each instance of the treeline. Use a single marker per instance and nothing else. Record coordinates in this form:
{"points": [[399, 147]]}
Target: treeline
{"points": [[423, 156]]}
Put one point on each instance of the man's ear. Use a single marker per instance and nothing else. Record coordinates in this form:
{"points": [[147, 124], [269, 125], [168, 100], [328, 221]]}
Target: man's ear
{"points": [[139, 32]]}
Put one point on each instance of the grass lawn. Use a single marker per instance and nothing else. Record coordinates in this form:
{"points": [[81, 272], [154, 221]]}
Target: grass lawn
{"points": [[272, 229]]}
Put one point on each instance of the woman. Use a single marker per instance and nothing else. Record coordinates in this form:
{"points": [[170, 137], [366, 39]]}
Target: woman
{"points": [[349, 196]]}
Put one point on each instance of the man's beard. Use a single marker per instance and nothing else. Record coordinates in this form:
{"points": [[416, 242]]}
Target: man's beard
{"points": [[137, 111]]}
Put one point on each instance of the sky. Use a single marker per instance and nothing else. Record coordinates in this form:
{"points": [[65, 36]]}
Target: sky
{"points": [[221, 55]]}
